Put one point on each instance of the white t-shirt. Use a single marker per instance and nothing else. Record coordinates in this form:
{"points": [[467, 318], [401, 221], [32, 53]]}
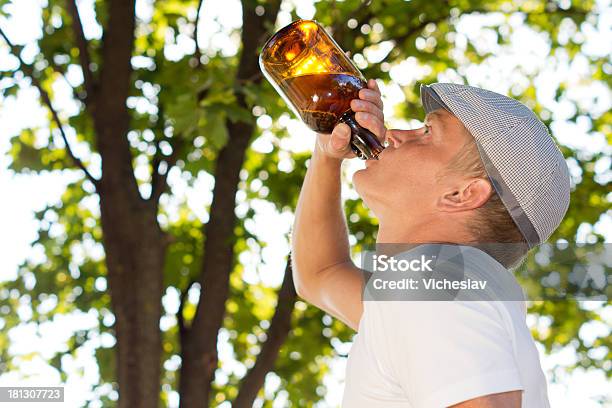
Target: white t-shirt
{"points": [[434, 354]]}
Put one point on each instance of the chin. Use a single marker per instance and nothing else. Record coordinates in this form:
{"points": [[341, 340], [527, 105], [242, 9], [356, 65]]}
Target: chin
{"points": [[360, 180], [366, 187]]}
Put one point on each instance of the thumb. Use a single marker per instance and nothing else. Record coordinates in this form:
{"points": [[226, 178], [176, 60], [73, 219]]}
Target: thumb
{"points": [[340, 137]]}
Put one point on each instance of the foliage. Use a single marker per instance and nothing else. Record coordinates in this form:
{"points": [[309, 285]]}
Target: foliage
{"points": [[192, 97]]}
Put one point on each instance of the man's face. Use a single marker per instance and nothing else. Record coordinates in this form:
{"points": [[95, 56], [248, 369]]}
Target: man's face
{"points": [[405, 178]]}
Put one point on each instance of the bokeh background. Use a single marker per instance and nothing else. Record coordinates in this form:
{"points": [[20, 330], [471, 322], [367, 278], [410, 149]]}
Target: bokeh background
{"points": [[149, 174]]}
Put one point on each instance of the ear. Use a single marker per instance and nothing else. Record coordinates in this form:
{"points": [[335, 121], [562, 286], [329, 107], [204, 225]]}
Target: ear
{"points": [[469, 196]]}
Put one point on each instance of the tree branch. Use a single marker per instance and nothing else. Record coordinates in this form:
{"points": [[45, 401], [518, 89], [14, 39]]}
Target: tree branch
{"points": [[111, 117], [418, 28], [340, 28], [159, 182], [179, 314], [354, 14], [82, 45], [197, 54], [59, 71], [277, 334], [198, 368], [29, 71]]}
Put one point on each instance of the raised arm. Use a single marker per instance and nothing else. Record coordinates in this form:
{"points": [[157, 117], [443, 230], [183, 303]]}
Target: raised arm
{"points": [[323, 272]]}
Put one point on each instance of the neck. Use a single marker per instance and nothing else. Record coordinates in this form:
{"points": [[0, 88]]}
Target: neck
{"points": [[398, 231]]}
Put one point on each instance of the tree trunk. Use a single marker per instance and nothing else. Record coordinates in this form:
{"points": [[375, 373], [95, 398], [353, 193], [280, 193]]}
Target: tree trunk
{"points": [[199, 342], [134, 244], [135, 251]]}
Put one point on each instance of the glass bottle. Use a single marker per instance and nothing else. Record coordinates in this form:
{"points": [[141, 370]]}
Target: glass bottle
{"points": [[318, 81]]}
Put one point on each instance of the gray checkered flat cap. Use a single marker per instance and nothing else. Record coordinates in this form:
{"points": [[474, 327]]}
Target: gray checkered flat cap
{"points": [[522, 161]]}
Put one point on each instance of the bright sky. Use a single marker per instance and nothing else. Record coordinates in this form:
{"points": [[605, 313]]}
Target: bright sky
{"points": [[502, 73]]}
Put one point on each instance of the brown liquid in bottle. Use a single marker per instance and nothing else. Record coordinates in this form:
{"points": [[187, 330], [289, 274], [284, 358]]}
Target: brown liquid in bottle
{"points": [[318, 80], [321, 99]]}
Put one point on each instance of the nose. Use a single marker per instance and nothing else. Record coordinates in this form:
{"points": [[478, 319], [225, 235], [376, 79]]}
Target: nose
{"points": [[397, 137]]}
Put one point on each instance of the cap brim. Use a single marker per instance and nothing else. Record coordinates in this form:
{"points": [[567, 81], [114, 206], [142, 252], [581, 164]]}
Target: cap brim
{"points": [[431, 100]]}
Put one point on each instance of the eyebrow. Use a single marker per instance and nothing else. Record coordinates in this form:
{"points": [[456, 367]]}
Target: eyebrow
{"points": [[441, 120], [432, 114]]}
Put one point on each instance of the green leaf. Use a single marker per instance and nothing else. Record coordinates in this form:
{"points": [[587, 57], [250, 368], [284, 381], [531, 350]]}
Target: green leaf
{"points": [[23, 153], [215, 130]]}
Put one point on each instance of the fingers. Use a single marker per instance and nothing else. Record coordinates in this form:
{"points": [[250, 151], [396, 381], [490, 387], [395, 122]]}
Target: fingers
{"points": [[372, 84], [368, 114], [370, 102], [373, 123], [359, 105], [372, 94], [369, 109], [340, 137], [337, 143]]}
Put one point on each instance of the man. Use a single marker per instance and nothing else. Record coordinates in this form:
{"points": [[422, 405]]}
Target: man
{"points": [[482, 169]]}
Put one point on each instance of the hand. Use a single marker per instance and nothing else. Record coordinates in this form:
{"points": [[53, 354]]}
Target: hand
{"points": [[368, 113]]}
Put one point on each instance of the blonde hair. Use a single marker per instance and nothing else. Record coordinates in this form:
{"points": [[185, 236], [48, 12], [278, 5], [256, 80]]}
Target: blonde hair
{"points": [[493, 229]]}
